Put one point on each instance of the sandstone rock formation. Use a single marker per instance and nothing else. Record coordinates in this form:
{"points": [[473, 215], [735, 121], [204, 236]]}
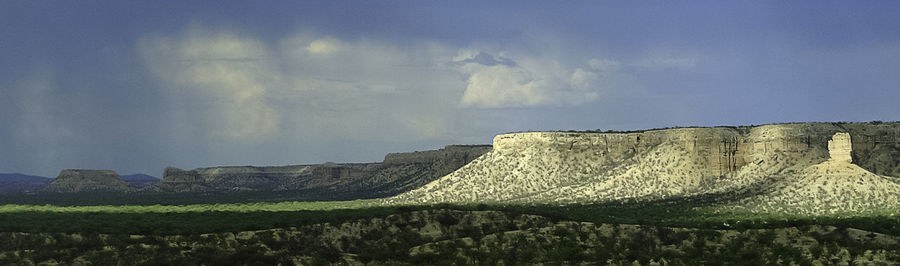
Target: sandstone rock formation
{"points": [[601, 166], [876, 147], [839, 148], [568, 167], [833, 187], [399, 172], [76, 180]]}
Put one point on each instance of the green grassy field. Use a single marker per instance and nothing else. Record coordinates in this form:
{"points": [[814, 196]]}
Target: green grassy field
{"points": [[233, 217]]}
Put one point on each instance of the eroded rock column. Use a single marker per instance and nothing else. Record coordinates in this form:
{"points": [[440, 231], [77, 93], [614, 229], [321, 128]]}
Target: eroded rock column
{"points": [[839, 148]]}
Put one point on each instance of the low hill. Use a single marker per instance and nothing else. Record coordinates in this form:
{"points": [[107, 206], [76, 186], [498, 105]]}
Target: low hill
{"points": [[80, 180], [19, 183]]}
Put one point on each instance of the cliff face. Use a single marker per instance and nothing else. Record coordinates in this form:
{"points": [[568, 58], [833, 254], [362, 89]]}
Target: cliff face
{"points": [[835, 186], [72, 180], [715, 151], [876, 147], [399, 172], [448, 159], [253, 178], [658, 164], [839, 148]]}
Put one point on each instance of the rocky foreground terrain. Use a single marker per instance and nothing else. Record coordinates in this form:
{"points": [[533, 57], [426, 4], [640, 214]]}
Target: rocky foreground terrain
{"points": [[461, 237], [812, 168]]}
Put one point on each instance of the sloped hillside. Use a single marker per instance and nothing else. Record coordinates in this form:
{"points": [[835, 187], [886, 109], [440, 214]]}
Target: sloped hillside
{"points": [[557, 166], [765, 162], [74, 180], [836, 186], [829, 188]]}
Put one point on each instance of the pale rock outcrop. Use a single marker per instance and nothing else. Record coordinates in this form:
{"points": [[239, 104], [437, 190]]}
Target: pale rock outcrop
{"points": [[578, 167], [834, 187], [791, 167], [839, 148], [876, 147]]}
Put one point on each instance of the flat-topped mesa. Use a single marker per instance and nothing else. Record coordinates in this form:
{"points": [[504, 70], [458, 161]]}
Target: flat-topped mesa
{"points": [[229, 178], [451, 157], [839, 148], [399, 172], [716, 151], [80, 180], [654, 164]]}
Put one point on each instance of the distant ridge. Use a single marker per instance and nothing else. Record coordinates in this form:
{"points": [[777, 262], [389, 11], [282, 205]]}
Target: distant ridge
{"points": [[398, 172], [16, 183], [139, 180], [17, 177]]}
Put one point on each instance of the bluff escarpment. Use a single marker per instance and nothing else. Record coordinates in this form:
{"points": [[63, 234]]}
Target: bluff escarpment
{"points": [[397, 173], [657, 164], [77, 180]]}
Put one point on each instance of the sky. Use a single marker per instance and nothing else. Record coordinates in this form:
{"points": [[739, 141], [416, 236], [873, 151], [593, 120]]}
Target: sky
{"points": [[136, 86]]}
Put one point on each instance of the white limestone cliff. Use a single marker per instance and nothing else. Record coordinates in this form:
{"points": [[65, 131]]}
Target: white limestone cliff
{"points": [[839, 148]]}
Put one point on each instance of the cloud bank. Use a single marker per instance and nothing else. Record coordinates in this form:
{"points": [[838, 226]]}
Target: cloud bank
{"points": [[236, 87], [235, 72], [523, 81], [303, 86]]}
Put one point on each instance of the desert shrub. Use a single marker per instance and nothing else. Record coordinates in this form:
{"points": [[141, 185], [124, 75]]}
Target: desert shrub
{"points": [[447, 219]]}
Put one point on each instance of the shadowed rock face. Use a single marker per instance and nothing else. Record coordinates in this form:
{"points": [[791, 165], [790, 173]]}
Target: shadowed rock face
{"points": [[399, 172], [72, 180], [876, 147]]}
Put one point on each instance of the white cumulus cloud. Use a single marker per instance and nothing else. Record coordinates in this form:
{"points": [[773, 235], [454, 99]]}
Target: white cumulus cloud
{"points": [[522, 81]]}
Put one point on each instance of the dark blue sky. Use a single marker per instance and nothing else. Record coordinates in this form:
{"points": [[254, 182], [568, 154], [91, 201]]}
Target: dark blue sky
{"points": [[138, 86]]}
